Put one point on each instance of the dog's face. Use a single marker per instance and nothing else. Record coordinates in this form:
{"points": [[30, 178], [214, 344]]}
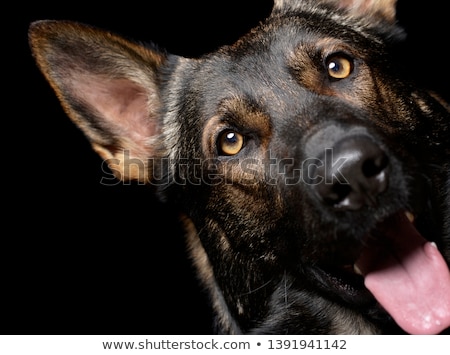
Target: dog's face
{"points": [[310, 174]]}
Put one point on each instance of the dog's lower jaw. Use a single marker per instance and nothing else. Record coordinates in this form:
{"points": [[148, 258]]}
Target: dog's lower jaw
{"points": [[290, 310], [348, 322], [278, 320]]}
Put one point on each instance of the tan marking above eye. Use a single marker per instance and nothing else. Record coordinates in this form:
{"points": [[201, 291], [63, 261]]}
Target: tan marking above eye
{"points": [[339, 66], [230, 142]]}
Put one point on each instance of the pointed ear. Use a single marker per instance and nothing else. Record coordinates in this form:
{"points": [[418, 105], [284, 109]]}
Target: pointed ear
{"points": [[109, 87], [378, 9], [383, 9]]}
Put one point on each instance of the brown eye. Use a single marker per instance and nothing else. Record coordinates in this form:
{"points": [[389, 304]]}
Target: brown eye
{"points": [[339, 66], [230, 143]]}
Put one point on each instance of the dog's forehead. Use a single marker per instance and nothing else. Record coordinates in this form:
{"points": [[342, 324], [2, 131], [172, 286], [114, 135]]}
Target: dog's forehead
{"points": [[258, 68], [262, 58], [259, 65]]}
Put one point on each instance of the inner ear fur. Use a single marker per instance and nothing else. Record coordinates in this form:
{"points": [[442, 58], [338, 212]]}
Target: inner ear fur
{"points": [[108, 86], [384, 10]]}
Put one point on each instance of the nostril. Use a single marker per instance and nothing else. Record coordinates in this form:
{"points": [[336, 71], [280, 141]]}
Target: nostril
{"points": [[337, 193], [374, 166]]}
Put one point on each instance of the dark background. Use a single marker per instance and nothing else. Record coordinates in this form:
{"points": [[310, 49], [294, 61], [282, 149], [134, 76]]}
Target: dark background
{"points": [[77, 257]]}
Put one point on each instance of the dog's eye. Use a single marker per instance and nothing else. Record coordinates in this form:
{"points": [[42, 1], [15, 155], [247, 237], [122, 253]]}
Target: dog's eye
{"points": [[339, 66], [230, 143]]}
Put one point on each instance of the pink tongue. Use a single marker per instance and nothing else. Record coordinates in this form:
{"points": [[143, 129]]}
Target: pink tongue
{"points": [[411, 281]]}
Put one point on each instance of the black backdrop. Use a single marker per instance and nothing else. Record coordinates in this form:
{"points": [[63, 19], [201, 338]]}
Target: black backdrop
{"points": [[77, 257]]}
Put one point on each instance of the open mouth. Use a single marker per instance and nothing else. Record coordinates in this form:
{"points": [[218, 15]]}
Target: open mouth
{"points": [[405, 273]]}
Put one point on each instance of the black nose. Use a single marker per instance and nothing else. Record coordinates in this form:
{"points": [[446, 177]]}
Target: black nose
{"points": [[354, 172]]}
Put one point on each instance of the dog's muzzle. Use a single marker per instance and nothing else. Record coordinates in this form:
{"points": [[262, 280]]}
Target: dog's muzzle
{"points": [[350, 172]]}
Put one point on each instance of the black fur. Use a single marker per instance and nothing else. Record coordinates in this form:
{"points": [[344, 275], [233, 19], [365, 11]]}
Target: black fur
{"points": [[264, 232]]}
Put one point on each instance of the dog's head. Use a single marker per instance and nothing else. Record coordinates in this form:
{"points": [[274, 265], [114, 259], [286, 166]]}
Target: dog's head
{"points": [[295, 154]]}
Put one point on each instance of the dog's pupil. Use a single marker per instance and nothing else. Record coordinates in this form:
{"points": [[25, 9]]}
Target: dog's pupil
{"points": [[231, 138], [333, 66]]}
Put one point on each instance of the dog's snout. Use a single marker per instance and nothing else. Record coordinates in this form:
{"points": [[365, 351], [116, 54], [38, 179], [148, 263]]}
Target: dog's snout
{"points": [[354, 173]]}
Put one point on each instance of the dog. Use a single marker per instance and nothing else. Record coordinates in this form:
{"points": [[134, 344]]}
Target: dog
{"points": [[312, 174]]}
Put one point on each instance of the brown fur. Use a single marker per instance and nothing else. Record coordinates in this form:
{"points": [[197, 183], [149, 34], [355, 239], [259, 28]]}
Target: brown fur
{"points": [[260, 232]]}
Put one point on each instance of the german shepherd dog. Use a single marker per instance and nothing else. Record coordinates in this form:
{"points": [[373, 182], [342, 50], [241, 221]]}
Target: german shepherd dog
{"points": [[311, 174]]}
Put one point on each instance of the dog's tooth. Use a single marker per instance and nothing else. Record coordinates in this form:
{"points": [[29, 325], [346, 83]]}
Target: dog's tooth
{"points": [[357, 270], [410, 216]]}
